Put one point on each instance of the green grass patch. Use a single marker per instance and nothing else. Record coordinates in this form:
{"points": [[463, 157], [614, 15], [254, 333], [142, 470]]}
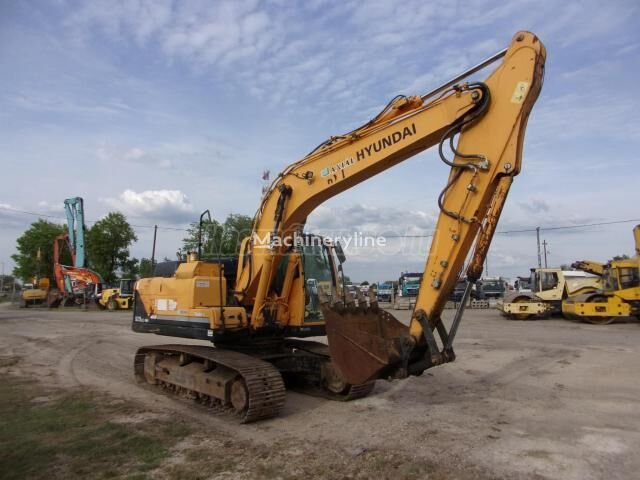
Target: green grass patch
{"points": [[49, 434]]}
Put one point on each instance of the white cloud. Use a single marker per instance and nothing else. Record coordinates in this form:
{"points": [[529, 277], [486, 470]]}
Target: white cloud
{"points": [[49, 208], [589, 114], [172, 206], [111, 153], [371, 219], [285, 54], [134, 154]]}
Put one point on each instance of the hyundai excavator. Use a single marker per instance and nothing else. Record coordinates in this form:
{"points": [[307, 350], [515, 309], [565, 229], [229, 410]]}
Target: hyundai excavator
{"points": [[286, 285]]}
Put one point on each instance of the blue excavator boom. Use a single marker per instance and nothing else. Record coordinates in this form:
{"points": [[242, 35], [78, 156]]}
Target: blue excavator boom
{"points": [[74, 208]]}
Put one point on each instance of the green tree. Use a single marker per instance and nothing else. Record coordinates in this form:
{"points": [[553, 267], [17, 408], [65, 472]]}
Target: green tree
{"points": [[130, 268], [145, 270], [236, 228], [108, 243], [219, 239], [39, 236], [211, 237], [624, 256]]}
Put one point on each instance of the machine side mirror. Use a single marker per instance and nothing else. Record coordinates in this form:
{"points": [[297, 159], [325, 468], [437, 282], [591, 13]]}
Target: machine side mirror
{"points": [[339, 253]]}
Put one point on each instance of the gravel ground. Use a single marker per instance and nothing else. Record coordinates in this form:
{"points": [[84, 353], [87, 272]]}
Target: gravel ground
{"points": [[539, 399]]}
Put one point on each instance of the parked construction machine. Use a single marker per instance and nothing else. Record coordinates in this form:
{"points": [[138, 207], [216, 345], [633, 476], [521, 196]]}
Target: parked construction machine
{"points": [[117, 298], [619, 295], [76, 284], [258, 313], [36, 294], [549, 288]]}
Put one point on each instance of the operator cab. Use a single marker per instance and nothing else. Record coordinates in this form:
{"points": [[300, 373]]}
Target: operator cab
{"points": [[126, 287], [542, 281], [622, 275]]}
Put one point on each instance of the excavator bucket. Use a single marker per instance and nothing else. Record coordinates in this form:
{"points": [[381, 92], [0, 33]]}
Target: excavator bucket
{"points": [[366, 343]]}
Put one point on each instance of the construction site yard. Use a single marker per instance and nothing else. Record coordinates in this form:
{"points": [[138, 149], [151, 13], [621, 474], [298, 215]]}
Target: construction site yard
{"points": [[537, 399]]}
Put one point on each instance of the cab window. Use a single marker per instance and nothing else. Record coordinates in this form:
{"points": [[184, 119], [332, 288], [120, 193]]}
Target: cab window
{"points": [[629, 277], [610, 280], [317, 275], [548, 280]]}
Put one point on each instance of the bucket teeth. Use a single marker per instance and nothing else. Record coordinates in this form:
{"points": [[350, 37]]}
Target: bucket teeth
{"points": [[373, 300], [323, 298], [349, 301], [336, 299], [362, 301]]}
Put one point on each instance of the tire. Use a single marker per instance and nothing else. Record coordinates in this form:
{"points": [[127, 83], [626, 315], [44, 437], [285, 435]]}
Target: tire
{"points": [[112, 305]]}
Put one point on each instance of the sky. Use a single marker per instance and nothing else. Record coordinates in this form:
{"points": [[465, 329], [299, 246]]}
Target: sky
{"points": [[162, 109]]}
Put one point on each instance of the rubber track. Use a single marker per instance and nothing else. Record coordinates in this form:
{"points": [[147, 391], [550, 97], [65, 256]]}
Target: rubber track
{"points": [[264, 383]]}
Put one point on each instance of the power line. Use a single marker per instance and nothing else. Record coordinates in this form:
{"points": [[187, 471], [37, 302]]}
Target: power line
{"points": [[565, 227]]}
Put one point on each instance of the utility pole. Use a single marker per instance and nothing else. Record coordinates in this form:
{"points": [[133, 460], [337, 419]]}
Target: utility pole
{"points": [[2, 279], [544, 245], [153, 250], [539, 255]]}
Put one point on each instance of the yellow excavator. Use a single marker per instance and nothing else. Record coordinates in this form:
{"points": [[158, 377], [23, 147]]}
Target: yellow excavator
{"points": [[286, 285], [620, 293]]}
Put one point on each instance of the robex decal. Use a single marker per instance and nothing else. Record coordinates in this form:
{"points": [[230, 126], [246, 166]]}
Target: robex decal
{"points": [[366, 152]]}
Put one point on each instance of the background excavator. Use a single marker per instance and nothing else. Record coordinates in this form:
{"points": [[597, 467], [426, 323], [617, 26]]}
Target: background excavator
{"points": [[76, 284], [286, 285], [38, 292]]}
